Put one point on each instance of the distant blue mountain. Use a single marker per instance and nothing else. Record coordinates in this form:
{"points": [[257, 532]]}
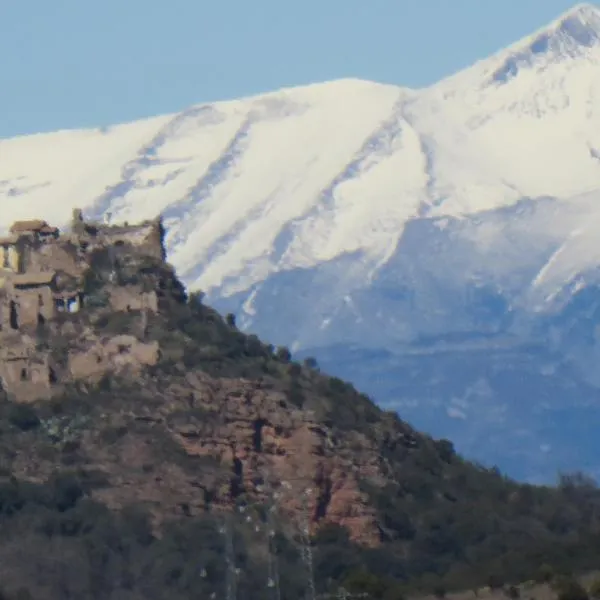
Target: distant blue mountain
{"points": [[462, 346]]}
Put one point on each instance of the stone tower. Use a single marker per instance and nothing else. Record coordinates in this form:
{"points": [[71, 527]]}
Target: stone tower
{"points": [[77, 222]]}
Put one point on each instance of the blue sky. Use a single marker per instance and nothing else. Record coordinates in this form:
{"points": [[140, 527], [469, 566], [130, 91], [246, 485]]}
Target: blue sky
{"points": [[79, 63]]}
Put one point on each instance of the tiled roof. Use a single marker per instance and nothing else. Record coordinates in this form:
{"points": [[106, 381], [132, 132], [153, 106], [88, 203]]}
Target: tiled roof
{"points": [[23, 226], [41, 278]]}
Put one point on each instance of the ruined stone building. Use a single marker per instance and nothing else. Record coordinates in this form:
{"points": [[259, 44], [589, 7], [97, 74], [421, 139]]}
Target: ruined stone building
{"points": [[42, 272]]}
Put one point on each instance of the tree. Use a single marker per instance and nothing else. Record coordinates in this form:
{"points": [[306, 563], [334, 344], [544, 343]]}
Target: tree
{"points": [[311, 363], [568, 588], [594, 589], [283, 354], [445, 450], [545, 574], [495, 581], [196, 297], [23, 416], [230, 320]]}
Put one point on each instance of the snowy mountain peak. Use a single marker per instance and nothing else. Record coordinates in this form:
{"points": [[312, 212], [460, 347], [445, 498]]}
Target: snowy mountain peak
{"points": [[581, 25], [575, 34], [584, 12]]}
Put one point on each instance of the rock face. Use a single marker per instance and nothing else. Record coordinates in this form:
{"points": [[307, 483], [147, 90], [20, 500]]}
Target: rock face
{"points": [[235, 439], [259, 433]]}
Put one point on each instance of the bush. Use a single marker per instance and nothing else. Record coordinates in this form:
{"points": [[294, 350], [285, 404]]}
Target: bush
{"points": [[283, 354], [545, 574], [364, 582], [311, 363], [594, 588], [568, 588], [495, 581], [23, 416], [445, 450], [67, 490], [295, 370]]}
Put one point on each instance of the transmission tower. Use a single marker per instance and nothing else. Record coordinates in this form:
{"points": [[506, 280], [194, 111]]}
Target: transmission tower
{"points": [[273, 581], [306, 547], [111, 251], [230, 568]]}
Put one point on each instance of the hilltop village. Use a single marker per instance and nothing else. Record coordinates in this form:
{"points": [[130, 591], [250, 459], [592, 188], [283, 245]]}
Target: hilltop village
{"points": [[44, 276]]}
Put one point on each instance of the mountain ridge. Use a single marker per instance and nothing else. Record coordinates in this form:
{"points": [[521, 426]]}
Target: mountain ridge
{"points": [[363, 214]]}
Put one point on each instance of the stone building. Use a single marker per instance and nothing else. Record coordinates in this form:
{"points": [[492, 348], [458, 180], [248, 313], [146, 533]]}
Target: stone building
{"points": [[147, 236], [9, 255], [31, 295], [24, 372], [37, 229], [42, 275]]}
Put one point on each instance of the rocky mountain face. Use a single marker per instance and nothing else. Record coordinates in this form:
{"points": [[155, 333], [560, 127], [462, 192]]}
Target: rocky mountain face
{"points": [[210, 459]]}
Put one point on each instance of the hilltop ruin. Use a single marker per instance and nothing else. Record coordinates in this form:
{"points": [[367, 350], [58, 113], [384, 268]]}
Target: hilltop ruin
{"points": [[47, 275]]}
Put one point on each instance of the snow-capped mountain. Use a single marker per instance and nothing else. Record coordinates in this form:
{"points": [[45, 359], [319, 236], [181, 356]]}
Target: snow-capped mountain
{"points": [[438, 246]]}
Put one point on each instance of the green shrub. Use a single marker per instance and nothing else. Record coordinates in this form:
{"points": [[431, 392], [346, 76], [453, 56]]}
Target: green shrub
{"points": [[23, 416], [594, 588], [568, 588], [545, 574], [283, 354]]}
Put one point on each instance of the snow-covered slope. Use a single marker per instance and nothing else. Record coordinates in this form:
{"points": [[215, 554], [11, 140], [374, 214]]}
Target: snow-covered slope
{"points": [[368, 215]]}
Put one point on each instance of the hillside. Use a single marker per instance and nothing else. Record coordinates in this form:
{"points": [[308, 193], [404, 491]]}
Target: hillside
{"points": [[350, 220], [145, 478]]}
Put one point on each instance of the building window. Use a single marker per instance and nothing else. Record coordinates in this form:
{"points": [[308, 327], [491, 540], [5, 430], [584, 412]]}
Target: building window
{"points": [[6, 257], [73, 304], [14, 316], [23, 374]]}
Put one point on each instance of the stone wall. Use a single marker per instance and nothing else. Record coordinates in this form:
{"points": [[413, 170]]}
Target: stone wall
{"points": [[132, 297], [147, 236], [55, 255], [9, 256], [33, 306], [113, 354], [23, 372]]}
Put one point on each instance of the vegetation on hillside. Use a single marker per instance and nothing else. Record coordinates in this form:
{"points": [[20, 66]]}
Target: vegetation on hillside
{"points": [[445, 523]]}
